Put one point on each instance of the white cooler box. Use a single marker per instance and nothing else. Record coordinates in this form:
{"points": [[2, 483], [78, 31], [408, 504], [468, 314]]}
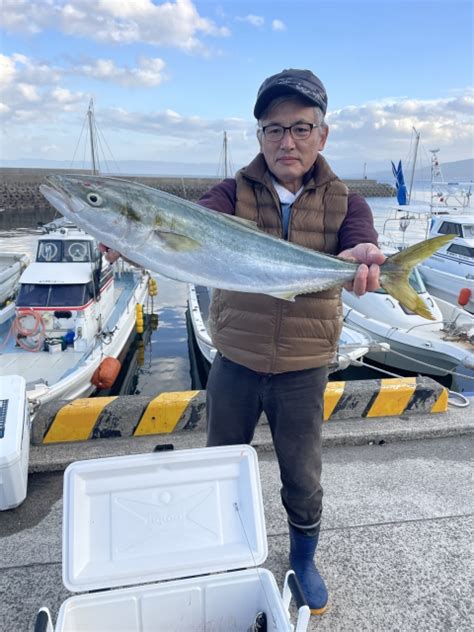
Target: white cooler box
{"points": [[196, 515], [14, 441]]}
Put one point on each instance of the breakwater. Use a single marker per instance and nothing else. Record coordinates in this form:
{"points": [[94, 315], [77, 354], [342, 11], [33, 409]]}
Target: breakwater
{"points": [[21, 203]]}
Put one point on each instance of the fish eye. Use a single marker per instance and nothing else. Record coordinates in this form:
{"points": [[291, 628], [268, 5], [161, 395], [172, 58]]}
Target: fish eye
{"points": [[94, 199]]}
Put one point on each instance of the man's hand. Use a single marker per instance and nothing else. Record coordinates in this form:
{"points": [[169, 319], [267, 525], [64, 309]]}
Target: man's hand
{"points": [[110, 255], [367, 275]]}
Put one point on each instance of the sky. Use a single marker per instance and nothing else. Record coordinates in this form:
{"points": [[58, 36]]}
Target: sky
{"points": [[168, 78]]}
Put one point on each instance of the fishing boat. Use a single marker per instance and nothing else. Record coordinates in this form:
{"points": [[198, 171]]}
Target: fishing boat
{"points": [[410, 219], [353, 345], [449, 272], [73, 312], [11, 267], [440, 347]]}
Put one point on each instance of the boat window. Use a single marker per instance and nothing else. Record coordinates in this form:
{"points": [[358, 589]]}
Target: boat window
{"points": [[32, 295], [415, 281], [67, 295], [55, 250], [76, 251], [40, 295], [49, 250], [458, 249], [450, 228], [468, 230]]}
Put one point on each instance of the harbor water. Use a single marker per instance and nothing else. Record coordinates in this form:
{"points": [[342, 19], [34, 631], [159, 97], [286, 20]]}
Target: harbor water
{"points": [[166, 364]]}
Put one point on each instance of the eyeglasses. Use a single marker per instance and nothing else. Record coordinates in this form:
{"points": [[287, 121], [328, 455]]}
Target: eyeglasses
{"points": [[299, 131]]}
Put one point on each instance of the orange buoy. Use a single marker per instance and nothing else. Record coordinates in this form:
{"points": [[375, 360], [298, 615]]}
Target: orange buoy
{"points": [[106, 373], [464, 296]]}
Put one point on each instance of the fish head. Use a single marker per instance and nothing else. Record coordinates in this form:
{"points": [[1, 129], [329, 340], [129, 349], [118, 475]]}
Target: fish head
{"points": [[102, 206]]}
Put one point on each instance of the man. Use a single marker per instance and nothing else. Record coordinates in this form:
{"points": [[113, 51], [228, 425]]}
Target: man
{"points": [[273, 354]]}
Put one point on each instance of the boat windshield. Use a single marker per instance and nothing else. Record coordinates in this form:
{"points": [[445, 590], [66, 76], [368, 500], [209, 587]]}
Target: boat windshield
{"points": [[450, 228], [58, 250], [40, 295], [415, 281], [459, 249]]}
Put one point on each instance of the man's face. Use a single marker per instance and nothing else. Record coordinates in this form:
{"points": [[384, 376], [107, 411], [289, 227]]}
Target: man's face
{"points": [[289, 159]]}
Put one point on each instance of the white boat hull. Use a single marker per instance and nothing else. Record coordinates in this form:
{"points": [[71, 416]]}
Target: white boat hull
{"points": [[11, 267], [446, 285], [352, 344], [419, 346], [78, 383]]}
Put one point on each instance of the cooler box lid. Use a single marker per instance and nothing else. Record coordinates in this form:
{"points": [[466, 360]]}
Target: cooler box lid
{"points": [[135, 519], [12, 417]]}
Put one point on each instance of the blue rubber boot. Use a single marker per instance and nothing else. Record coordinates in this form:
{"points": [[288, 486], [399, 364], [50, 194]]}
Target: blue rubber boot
{"points": [[302, 551]]}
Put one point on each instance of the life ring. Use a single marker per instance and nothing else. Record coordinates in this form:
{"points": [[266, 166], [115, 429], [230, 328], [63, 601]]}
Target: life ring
{"points": [[106, 373]]}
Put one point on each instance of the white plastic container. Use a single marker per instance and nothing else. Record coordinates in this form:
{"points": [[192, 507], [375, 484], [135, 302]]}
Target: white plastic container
{"points": [[15, 428], [55, 346], [186, 516]]}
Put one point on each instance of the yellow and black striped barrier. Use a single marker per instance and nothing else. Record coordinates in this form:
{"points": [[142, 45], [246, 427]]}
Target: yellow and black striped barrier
{"points": [[137, 415]]}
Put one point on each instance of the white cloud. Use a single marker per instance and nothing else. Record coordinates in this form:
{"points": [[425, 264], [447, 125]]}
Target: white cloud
{"points": [[172, 24], [27, 16], [381, 129], [28, 92], [62, 95], [49, 149], [48, 107], [254, 20], [7, 71], [148, 73], [278, 25]]}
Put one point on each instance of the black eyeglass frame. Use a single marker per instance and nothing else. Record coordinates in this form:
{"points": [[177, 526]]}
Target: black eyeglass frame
{"points": [[289, 128]]}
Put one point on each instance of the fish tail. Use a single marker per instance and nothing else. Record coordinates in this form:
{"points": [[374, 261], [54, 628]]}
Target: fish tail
{"points": [[399, 266]]}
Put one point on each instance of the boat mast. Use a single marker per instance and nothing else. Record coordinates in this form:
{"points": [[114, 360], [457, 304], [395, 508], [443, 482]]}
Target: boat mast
{"points": [[417, 142], [90, 116], [225, 154]]}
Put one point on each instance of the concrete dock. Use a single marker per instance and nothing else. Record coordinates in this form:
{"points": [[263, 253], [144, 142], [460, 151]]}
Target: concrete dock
{"points": [[395, 544]]}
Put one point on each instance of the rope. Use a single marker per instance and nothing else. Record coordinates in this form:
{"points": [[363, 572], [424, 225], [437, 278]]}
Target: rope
{"points": [[431, 366], [20, 332], [453, 396], [375, 368]]}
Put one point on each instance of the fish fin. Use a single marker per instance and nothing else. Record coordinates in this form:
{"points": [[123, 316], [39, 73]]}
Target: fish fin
{"points": [[244, 222], [176, 242], [285, 296], [396, 282], [400, 289], [413, 255]]}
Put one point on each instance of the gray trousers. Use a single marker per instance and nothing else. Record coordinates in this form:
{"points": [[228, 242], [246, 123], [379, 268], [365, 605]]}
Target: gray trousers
{"points": [[293, 404]]}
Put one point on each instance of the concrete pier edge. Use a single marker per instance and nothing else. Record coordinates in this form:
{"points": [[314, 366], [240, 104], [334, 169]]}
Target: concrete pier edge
{"points": [[168, 413]]}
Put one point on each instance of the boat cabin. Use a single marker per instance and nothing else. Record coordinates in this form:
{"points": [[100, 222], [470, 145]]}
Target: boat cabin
{"points": [[67, 285], [462, 247]]}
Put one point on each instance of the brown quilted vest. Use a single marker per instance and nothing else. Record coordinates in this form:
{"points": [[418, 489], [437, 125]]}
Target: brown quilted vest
{"points": [[271, 335]]}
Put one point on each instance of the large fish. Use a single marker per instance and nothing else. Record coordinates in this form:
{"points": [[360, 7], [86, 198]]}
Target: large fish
{"points": [[187, 242]]}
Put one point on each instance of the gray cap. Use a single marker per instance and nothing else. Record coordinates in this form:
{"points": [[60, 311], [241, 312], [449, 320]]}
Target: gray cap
{"points": [[291, 81]]}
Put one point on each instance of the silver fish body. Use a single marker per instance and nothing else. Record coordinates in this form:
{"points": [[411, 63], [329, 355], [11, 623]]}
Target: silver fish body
{"points": [[187, 242]]}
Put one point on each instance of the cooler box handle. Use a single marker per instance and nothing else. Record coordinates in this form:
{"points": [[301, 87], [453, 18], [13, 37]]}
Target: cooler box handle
{"points": [[292, 588]]}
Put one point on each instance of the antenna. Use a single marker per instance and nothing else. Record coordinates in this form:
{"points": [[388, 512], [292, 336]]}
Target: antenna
{"points": [[417, 142], [225, 154], [90, 116], [225, 163]]}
